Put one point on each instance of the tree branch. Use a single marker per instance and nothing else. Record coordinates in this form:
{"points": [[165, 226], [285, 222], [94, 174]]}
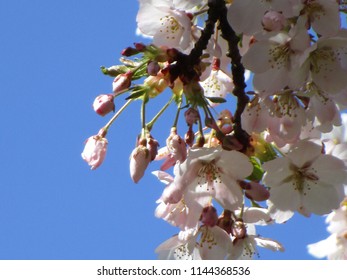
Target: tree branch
{"points": [[238, 72]]}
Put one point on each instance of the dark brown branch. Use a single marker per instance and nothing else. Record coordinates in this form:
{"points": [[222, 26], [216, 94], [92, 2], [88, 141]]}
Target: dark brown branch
{"points": [[238, 72], [185, 68]]}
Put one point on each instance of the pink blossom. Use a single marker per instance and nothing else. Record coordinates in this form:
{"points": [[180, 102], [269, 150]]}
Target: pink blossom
{"points": [[256, 191], [95, 151], [167, 25], [305, 180], [214, 172], [273, 21], [209, 216], [103, 104], [139, 160], [122, 82]]}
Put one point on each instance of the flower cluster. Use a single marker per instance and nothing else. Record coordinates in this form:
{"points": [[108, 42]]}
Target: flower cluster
{"points": [[276, 155]]}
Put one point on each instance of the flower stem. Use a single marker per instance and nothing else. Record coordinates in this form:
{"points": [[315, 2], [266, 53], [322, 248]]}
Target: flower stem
{"points": [[143, 117], [150, 124], [107, 126], [177, 114]]}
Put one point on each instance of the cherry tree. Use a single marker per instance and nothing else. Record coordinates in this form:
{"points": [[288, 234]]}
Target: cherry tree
{"points": [[245, 159]]}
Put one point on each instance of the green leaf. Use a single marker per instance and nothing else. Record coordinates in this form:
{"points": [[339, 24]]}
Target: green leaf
{"points": [[216, 99], [137, 92], [258, 172], [115, 70]]}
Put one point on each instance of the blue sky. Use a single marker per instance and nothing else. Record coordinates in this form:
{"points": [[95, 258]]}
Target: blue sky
{"points": [[52, 206]]}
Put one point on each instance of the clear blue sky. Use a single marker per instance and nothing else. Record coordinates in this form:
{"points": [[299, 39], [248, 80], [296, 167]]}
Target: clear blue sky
{"points": [[52, 206]]}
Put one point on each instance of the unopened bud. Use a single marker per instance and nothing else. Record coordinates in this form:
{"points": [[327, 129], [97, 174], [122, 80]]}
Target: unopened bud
{"points": [[95, 151], [192, 116], [103, 104], [176, 146], [153, 68], [209, 216], [152, 146], [129, 51], [257, 191], [273, 21], [189, 137], [139, 160], [140, 47], [122, 82], [200, 141]]}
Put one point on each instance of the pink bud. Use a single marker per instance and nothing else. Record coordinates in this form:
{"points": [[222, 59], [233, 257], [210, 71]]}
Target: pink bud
{"points": [[152, 146], [192, 116], [129, 51], [139, 160], [153, 68], [273, 21], [209, 216], [176, 146], [103, 104], [140, 47], [257, 192], [95, 151], [189, 137], [122, 82]]}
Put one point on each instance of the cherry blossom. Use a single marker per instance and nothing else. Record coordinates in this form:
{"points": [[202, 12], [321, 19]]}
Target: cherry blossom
{"points": [[281, 61], [211, 243], [217, 84], [245, 239], [277, 139], [323, 16], [328, 60], [335, 246], [204, 171], [304, 180], [167, 25], [240, 11]]}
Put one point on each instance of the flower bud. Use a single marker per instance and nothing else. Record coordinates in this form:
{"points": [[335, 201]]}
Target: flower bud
{"points": [[153, 68], [95, 151], [122, 82], [189, 137], [129, 51], [152, 146], [103, 104], [256, 191], [157, 84], [140, 47], [209, 216], [273, 21], [192, 116], [139, 160], [176, 146]]}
